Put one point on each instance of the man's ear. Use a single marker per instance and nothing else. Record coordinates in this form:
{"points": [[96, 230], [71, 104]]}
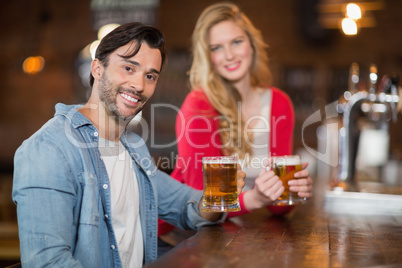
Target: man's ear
{"points": [[96, 69]]}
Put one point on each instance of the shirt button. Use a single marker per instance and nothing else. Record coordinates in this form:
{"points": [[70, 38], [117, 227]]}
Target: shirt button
{"points": [[112, 247], [106, 216], [96, 134], [149, 172], [105, 186]]}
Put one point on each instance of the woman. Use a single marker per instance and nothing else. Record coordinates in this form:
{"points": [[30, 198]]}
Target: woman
{"points": [[233, 110]]}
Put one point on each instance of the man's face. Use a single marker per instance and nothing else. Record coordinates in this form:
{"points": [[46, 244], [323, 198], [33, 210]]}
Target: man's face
{"points": [[126, 84]]}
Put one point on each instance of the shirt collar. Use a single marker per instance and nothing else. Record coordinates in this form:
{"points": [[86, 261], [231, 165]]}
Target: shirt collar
{"points": [[72, 114], [77, 120]]}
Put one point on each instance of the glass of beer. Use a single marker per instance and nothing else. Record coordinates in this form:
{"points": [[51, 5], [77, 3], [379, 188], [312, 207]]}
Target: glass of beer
{"points": [[220, 184], [285, 167]]}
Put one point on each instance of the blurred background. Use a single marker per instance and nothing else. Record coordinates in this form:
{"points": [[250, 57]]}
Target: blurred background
{"points": [[45, 49]]}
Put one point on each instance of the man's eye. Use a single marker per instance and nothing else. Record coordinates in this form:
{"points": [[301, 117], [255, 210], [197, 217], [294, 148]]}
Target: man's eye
{"points": [[151, 77], [128, 69]]}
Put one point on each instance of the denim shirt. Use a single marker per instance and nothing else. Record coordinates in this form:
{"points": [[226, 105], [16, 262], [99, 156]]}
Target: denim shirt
{"points": [[62, 192]]}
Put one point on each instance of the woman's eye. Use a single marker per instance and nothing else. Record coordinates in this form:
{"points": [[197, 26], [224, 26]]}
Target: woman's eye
{"points": [[239, 41], [128, 69], [215, 48]]}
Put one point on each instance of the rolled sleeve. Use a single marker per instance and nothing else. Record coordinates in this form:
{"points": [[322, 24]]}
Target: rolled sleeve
{"points": [[194, 213], [178, 203]]}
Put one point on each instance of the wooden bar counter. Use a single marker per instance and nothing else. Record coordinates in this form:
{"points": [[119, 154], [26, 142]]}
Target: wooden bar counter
{"points": [[309, 236]]}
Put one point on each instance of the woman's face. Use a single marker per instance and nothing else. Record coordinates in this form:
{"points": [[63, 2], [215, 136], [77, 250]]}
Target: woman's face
{"points": [[230, 50]]}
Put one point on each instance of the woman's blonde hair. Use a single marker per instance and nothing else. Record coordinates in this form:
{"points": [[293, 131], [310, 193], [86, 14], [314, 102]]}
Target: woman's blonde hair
{"points": [[222, 95]]}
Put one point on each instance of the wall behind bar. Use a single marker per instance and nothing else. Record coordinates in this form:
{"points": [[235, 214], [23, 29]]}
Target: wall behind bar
{"points": [[308, 62], [56, 30]]}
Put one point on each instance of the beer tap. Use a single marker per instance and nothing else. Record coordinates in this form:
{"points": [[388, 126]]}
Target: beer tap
{"points": [[352, 108]]}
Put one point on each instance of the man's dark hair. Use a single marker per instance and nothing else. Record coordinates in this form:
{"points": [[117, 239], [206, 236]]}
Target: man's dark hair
{"points": [[130, 32]]}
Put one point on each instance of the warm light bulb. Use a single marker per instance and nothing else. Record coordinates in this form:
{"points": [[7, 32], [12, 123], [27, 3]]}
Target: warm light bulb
{"points": [[349, 26], [92, 48], [33, 65], [105, 29], [353, 11]]}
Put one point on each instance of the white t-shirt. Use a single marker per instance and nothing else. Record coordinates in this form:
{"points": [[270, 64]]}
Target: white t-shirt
{"points": [[125, 202], [260, 145]]}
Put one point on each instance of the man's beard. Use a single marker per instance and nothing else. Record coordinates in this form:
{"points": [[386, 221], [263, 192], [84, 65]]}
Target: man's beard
{"points": [[108, 94]]}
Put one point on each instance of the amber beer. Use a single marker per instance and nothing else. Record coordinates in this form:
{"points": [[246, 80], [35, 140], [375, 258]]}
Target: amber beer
{"points": [[285, 168], [220, 184]]}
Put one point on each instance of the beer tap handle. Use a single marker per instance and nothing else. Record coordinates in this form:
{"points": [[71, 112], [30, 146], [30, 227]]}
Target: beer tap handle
{"points": [[394, 92], [394, 84], [388, 90], [373, 78], [384, 85], [353, 77]]}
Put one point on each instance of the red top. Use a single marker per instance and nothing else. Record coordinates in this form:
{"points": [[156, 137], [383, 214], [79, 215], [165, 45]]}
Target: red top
{"points": [[197, 125]]}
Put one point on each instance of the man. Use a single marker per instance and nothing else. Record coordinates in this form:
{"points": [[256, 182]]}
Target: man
{"points": [[87, 191]]}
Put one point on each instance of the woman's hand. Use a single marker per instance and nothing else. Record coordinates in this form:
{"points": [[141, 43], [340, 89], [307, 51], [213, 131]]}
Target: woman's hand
{"points": [[303, 184], [267, 188]]}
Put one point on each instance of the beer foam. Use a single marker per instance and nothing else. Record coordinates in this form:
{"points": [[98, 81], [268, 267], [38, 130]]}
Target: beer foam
{"points": [[219, 161], [288, 160]]}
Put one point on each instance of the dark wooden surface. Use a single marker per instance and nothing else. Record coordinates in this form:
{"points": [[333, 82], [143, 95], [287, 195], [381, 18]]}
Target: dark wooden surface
{"points": [[308, 236]]}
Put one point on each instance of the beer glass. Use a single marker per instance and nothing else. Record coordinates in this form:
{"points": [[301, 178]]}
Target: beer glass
{"points": [[285, 167], [220, 184]]}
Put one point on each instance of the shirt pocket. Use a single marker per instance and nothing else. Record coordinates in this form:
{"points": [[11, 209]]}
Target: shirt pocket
{"points": [[90, 205]]}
